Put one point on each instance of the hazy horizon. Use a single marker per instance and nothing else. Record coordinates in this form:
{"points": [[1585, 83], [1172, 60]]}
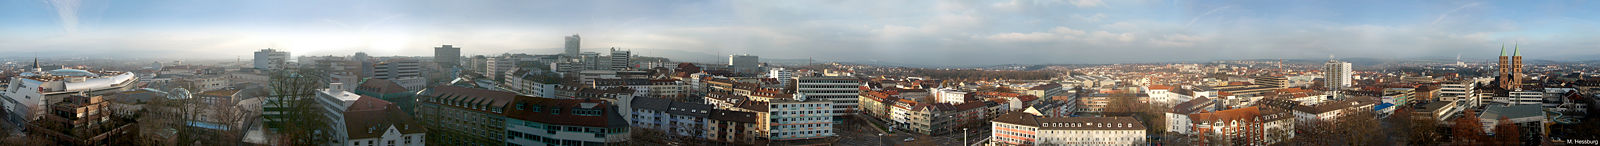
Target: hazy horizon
{"points": [[951, 33]]}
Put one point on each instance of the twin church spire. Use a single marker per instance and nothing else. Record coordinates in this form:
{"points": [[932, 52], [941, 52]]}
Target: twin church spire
{"points": [[1515, 48]]}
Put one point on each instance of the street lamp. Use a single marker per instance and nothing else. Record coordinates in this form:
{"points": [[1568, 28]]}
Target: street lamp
{"points": [[880, 139], [964, 137]]}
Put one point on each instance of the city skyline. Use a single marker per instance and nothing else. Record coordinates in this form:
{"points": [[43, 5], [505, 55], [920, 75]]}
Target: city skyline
{"points": [[901, 32]]}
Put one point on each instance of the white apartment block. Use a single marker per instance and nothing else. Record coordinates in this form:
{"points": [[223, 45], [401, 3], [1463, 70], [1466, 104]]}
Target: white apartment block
{"points": [[795, 120], [841, 91], [1027, 129]]}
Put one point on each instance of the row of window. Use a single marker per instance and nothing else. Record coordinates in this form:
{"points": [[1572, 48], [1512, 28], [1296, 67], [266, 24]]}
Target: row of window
{"points": [[408, 141]]}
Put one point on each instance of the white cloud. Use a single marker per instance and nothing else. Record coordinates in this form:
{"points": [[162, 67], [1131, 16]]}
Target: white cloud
{"points": [[1179, 40], [1090, 18], [1087, 3], [1452, 11], [1106, 36], [1008, 5], [1025, 37], [1066, 31]]}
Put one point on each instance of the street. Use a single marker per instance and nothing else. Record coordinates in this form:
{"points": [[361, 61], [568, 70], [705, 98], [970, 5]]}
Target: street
{"points": [[855, 131]]}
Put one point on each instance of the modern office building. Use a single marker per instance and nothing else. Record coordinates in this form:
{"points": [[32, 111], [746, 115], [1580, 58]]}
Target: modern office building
{"points": [[572, 47], [1274, 81], [1336, 76], [842, 91], [447, 56], [621, 59], [748, 64], [1531, 121], [497, 66], [1044, 91], [1018, 128], [1457, 90], [593, 61], [397, 68], [406, 72], [270, 59]]}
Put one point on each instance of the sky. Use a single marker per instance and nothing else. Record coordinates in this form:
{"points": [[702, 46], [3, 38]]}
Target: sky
{"points": [[927, 32]]}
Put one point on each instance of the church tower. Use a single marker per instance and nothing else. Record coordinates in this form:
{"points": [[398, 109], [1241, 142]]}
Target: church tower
{"points": [[1510, 68]]}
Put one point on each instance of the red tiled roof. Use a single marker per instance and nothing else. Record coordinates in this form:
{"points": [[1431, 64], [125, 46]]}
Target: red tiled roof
{"points": [[1027, 98], [1241, 114], [1160, 87], [368, 103], [370, 118]]}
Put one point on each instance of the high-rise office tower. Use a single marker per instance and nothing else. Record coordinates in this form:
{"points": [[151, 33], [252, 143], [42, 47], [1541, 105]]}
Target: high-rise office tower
{"points": [[572, 46], [1336, 76], [744, 63], [271, 59], [1510, 69], [447, 56]]}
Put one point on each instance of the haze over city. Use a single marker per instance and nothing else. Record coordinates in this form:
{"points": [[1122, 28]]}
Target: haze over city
{"points": [[799, 72], [903, 32]]}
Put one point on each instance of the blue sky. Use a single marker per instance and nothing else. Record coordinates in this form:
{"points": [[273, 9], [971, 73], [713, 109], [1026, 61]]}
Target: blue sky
{"points": [[900, 31]]}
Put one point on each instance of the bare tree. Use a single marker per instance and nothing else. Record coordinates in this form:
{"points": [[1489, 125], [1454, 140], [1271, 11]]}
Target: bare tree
{"points": [[230, 116], [1507, 133], [293, 96], [1360, 128], [1420, 130], [1467, 130]]}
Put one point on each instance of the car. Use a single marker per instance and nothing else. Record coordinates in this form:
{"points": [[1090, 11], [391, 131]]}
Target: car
{"points": [[909, 139]]}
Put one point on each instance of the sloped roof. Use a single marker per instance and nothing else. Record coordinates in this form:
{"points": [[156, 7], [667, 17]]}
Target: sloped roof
{"points": [[368, 103], [381, 86], [560, 112], [1018, 118], [491, 98], [1192, 106], [1160, 87], [372, 122], [736, 116], [1239, 114], [656, 104]]}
